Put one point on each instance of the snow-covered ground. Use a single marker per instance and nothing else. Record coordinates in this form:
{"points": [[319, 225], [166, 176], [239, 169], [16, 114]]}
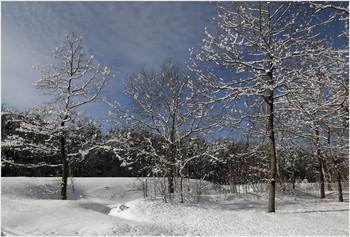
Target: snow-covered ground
{"points": [[28, 207]]}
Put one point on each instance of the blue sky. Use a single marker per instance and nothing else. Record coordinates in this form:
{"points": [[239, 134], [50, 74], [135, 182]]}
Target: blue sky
{"points": [[122, 35]]}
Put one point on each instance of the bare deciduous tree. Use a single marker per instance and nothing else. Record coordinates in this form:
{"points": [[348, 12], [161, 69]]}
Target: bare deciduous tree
{"points": [[165, 103], [256, 44], [72, 82]]}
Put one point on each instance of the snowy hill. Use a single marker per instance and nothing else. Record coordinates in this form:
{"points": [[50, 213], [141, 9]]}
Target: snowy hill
{"points": [[115, 206]]}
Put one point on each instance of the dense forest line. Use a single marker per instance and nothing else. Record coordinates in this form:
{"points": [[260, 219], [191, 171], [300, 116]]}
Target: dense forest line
{"points": [[242, 162]]}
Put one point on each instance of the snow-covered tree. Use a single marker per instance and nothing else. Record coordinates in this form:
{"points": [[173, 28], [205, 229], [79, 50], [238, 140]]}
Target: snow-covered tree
{"points": [[320, 97], [74, 80], [28, 141], [338, 6], [234, 163], [317, 109], [129, 146], [255, 46], [164, 103]]}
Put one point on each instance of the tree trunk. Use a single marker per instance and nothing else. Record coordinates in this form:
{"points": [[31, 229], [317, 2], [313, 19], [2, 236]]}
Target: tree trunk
{"points": [[171, 181], [271, 134], [181, 189], [64, 166], [336, 171], [319, 159], [171, 188], [271, 206], [171, 185]]}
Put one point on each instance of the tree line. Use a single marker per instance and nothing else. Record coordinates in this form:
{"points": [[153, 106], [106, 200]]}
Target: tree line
{"points": [[267, 73], [225, 161]]}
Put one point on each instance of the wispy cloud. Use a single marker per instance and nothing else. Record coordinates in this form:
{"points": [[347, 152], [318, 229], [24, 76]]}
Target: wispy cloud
{"points": [[123, 35]]}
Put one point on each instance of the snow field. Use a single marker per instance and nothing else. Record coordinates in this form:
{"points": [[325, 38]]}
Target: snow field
{"points": [[30, 207]]}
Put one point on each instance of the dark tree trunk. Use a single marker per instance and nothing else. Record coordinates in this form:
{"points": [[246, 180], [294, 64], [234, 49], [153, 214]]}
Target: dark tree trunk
{"points": [[337, 173], [171, 180], [320, 169], [272, 147], [271, 206], [64, 166], [171, 188], [181, 189]]}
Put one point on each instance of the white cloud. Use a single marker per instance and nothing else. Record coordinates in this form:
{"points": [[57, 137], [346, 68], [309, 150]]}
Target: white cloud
{"points": [[123, 35]]}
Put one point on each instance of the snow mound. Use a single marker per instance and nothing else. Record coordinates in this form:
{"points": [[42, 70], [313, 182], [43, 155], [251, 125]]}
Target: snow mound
{"points": [[225, 215], [144, 210], [194, 218], [133, 210]]}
